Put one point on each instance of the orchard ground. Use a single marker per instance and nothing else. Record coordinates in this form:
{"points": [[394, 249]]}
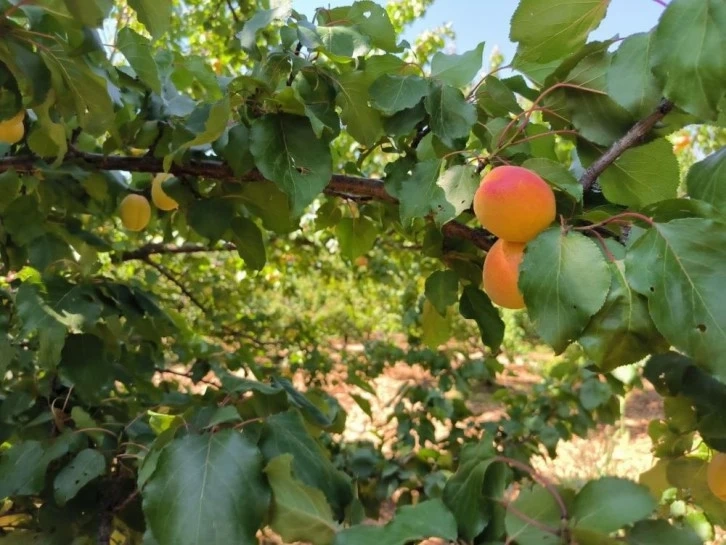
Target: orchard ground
{"points": [[622, 450]]}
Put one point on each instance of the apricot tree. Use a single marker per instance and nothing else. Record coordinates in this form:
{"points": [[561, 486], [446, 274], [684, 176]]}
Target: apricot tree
{"points": [[295, 137]]}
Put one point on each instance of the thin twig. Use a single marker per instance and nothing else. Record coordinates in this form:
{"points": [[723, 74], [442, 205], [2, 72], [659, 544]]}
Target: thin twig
{"points": [[234, 13], [551, 488], [174, 280], [165, 249], [634, 136], [529, 520], [185, 375]]}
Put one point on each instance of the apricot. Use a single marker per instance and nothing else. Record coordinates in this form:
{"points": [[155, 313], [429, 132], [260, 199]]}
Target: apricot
{"points": [[716, 475], [135, 212], [12, 130], [514, 203], [159, 196], [501, 273]]}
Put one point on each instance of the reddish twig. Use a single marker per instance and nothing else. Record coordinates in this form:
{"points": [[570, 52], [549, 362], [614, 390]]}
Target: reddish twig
{"points": [[634, 136]]}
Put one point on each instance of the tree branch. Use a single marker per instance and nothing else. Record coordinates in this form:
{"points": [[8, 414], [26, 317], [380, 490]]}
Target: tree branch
{"points": [[164, 249], [630, 139], [340, 185]]}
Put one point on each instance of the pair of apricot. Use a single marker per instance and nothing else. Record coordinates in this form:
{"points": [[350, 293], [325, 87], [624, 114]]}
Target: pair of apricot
{"points": [[135, 210], [514, 204]]}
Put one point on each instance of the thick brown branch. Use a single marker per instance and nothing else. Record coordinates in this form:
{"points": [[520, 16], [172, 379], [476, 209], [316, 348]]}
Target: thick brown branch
{"points": [[631, 138], [163, 249], [339, 185]]}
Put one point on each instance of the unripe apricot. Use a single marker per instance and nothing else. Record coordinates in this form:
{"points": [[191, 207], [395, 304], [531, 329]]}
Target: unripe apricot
{"points": [[501, 273], [159, 196], [135, 212], [514, 203], [716, 475], [13, 129]]}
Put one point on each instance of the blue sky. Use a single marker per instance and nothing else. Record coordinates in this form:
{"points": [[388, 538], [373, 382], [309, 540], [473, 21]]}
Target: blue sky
{"points": [[488, 20]]}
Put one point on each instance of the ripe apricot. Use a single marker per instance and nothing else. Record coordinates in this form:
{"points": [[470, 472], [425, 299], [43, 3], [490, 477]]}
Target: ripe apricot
{"points": [[514, 203], [501, 273], [716, 475], [135, 212], [159, 196], [13, 129]]}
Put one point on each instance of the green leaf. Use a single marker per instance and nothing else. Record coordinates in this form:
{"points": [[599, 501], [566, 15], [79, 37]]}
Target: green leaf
{"points": [[392, 93], [411, 523], [436, 328], [247, 237], [237, 150], [73, 78], [420, 194], [84, 363], [677, 265], [564, 279], [630, 81], [659, 532], [154, 14], [476, 305], [451, 115], [90, 13], [610, 503], [442, 289], [137, 51], [362, 122], [706, 180], [642, 175], [372, 19], [342, 44], [210, 217], [459, 183], [86, 466], [495, 98], [557, 175], [457, 70], [287, 152], [684, 58], [356, 236], [538, 504], [266, 201], [285, 433], [594, 393], [29, 70], [260, 20], [207, 489], [207, 123], [594, 114], [48, 138], [23, 467], [299, 512], [622, 332], [551, 29], [583, 536], [318, 95], [467, 499]]}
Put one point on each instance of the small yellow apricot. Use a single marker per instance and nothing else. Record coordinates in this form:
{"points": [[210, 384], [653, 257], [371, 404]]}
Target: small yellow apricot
{"points": [[135, 212], [501, 274], [159, 196], [12, 130], [514, 203], [716, 475]]}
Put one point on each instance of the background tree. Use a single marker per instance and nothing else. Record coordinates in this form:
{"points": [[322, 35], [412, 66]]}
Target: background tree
{"points": [[321, 175]]}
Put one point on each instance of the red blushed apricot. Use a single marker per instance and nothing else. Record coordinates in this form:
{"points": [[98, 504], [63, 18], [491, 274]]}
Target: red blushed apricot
{"points": [[501, 273], [514, 203]]}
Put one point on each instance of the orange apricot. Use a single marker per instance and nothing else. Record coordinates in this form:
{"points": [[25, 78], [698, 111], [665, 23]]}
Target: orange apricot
{"points": [[501, 274], [13, 129], [514, 203], [716, 475]]}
